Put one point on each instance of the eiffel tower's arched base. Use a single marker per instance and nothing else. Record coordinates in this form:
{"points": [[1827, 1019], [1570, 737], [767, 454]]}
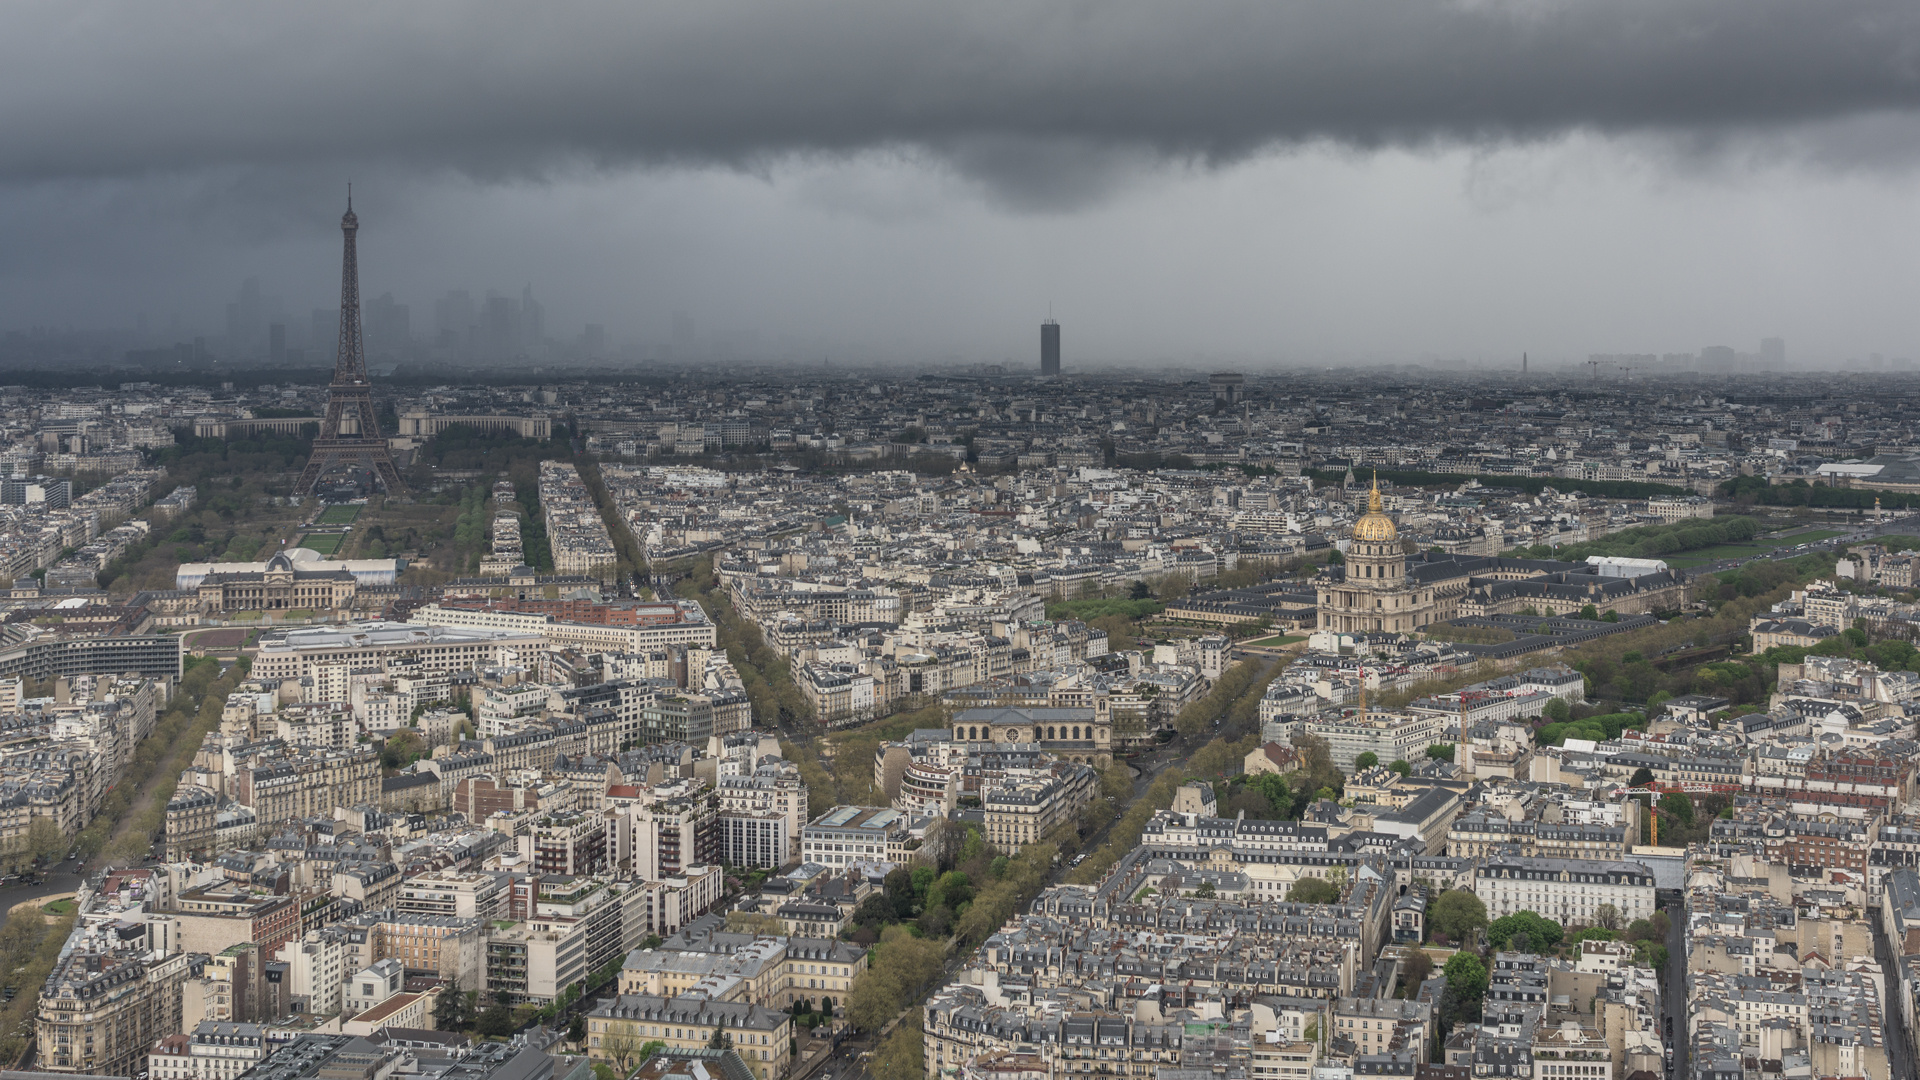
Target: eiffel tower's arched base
{"points": [[329, 454]]}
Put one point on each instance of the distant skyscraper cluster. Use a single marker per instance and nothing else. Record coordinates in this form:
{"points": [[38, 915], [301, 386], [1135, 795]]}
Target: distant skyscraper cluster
{"points": [[1049, 348], [499, 328]]}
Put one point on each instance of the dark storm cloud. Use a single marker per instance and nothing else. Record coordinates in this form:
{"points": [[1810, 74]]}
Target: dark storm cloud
{"points": [[1039, 100]]}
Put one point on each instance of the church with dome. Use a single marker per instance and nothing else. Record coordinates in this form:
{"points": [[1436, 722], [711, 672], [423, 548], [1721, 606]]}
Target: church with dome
{"points": [[1381, 589], [1376, 591]]}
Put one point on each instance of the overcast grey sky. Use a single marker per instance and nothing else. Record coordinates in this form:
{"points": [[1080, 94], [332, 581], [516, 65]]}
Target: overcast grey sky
{"points": [[1257, 182]]}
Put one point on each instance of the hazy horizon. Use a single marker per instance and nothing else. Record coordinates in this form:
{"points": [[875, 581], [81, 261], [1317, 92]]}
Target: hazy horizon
{"points": [[1215, 185]]}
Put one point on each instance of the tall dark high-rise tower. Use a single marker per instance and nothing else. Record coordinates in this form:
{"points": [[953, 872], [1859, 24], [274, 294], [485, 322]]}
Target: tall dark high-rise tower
{"points": [[350, 433], [1049, 348]]}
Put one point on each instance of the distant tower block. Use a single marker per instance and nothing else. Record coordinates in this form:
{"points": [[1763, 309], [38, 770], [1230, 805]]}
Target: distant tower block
{"points": [[1773, 353], [1049, 348]]}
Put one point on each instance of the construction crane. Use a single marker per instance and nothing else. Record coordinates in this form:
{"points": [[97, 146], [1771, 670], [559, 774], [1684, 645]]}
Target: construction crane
{"points": [[1593, 370], [1626, 373]]}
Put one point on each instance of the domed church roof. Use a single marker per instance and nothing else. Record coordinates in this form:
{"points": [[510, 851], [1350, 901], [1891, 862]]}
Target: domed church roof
{"points": [[1376, 527]]}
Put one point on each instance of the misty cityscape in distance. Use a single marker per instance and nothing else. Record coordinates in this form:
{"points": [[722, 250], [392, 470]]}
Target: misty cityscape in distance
{"points": [[850, 540]]}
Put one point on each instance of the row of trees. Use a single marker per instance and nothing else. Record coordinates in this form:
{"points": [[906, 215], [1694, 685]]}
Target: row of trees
{"points": [[900, 968], [1220, 758], [153, 772], [1653, 541], [469, 538], [1233, 705], [463, 447], [536, 549], [1750, 490], [29, 946], [768, 681], [1606, 489], [628, 558]]}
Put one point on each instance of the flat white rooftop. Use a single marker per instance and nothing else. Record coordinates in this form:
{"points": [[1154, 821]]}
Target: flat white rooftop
{"points": [[366, 635]]}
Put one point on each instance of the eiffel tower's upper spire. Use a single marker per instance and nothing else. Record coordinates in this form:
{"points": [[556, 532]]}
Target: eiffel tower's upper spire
{"points": [[350, 366]]}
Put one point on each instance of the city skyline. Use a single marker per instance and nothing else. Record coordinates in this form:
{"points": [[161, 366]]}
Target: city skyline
{"points": [[1196, 187]]}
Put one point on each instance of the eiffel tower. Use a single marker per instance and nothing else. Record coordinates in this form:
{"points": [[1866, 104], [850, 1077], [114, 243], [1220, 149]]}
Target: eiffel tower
{"points": [[350, 433]]}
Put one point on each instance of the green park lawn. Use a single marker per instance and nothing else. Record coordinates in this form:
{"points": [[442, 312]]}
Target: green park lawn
{"points": [[324, 543], [338, 515], [1811, 536]]}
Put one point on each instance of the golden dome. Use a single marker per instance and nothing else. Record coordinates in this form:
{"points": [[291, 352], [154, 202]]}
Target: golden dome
{"points": [[1376, 527]]}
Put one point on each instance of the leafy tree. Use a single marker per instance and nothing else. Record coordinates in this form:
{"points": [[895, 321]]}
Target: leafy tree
{"points": [[1557, 710], [1641, 777], [1206, 891], [972, 848], [901, 964], [1415, 969], [577, 1029], [1525, 931], [1402, 767], [936, 921], [1607, 917], [1365, 759], [1457, 913], [902, 1056], [1140, 591], [450, 1009], [1466, 984], [950, 891], [875, 910], [1313, 890], [45, 840], [1251, 801], [720, 1040], [403, 748], [899, 891], [1590, 613], [1316, 764], [1440, 752], [496, 1021], [1678, 806]]}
